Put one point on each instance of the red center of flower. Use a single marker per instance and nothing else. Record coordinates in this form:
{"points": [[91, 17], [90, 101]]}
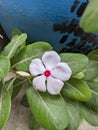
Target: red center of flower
{"points": [[47, 73]]}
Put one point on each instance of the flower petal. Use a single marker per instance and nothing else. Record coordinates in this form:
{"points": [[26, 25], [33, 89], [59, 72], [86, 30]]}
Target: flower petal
{"points": [[54, 86], [50, 59], [36, 67], [62, 71], [39, 83]]}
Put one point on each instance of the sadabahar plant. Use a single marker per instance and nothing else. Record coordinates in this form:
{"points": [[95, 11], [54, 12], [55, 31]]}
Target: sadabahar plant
{"points": [[61, 88]]}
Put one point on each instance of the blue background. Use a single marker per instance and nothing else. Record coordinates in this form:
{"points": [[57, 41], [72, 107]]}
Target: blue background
{"points": [[53, 21]]}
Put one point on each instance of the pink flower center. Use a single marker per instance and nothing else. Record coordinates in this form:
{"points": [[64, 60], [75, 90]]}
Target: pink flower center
{"points": [[47, 73]]}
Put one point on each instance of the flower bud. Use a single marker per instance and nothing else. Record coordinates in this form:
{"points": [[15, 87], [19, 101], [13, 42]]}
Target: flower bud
{"points": [[23, 73], [79, 75]]}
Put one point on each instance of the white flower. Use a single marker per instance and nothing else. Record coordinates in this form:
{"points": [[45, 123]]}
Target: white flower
{"points": [[50, 73]]}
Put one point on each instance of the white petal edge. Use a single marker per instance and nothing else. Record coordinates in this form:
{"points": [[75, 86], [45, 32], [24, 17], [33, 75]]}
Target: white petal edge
{"points": [[54, 86], [36, 67], [39, 83], [62, 71], [50, 59]]}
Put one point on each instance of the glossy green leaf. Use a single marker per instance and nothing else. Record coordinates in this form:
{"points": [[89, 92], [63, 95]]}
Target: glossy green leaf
{"points": [[4, 66], [9, 85], [49, 111], [93, 102], [12, 47], [95, 80], [91, 70], [75, 114], [76, 89], [5, 106], [89, 20], [16, 31], [77, 62], [93, 86], [17, 85], [27, 54], [90, 115], [33, 124], [93, 55], [79, 75]]}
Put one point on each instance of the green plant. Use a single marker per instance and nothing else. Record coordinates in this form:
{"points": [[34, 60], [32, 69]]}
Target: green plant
{"points": [[89, 20], [77, 100]]}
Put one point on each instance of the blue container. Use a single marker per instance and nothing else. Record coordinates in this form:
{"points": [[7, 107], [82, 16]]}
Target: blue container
{"points": [[53, 21]]}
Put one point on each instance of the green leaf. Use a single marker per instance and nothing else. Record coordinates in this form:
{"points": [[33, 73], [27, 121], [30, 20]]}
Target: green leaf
{"points": [[89, 20], [17, 85], [16, 31], [93, 55], [9, 85], [12, 47], [49, 111], [27, 54], [33, 124], [79, 75], [4, 66], [90, 115], [95, 80], [93, 86], [93, 102], [91, 70], [77, 62], [76, 89], [5, 106], [75, 114]]}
